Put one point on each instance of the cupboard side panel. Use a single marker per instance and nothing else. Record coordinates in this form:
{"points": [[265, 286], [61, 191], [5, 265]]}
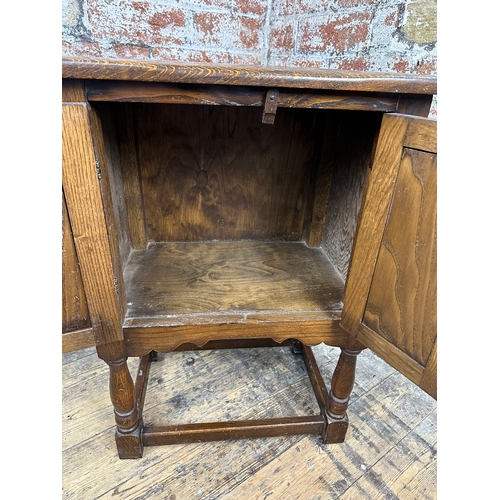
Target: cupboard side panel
{"points": [[215, 172], [124, 115], [352, 141]]}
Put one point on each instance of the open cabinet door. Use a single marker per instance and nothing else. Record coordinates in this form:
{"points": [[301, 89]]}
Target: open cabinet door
{"points": [[391, 291], [76, 325]]}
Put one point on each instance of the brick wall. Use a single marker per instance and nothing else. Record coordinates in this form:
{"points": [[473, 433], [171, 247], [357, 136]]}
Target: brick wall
{"points": [[371, 35]]}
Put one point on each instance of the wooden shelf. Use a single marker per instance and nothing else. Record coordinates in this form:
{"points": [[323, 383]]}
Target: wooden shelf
{"points": [[197, 292]]}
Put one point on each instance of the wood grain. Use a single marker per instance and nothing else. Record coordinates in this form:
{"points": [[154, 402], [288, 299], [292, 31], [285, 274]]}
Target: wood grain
{"points": [[83, 196], [373, 214], [422, 134], [75, 312], [428, 382], [393, 269], [402, 301], [77, 339], [111, 186], [321, 182], [230, 278], [126, 136], [348, 147], [415, 105], [73, 91], [402, 304], [106, 69], [141, 339], [398, 359], [195, 292], [224, 174], [225, 95], [390, 448], [217, 431]]}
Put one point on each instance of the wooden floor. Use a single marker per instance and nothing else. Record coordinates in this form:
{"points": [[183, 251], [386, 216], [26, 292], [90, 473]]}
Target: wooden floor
{"points": [[390, 450]]}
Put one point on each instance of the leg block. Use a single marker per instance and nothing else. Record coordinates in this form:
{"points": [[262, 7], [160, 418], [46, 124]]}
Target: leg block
{"points": [[335, 429], [129, 441]]}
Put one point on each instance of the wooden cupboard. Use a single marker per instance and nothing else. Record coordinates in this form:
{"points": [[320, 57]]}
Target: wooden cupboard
{"points": [[223, 206]]}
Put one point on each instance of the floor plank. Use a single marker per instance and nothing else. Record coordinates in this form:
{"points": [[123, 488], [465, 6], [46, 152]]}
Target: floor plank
{"points": [[390, 450]]}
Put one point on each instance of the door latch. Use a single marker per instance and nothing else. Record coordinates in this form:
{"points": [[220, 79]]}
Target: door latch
{"points": [[270, 106]]}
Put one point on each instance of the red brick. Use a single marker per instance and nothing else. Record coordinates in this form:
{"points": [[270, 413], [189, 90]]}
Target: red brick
{"points": [[250, 6], [427, 68], [209, 57], [282, 37], [351, 64], [84, 49], [168, 54], [250, 34], [162, 20], [211, 3], [340, 33], [284, 8], [247, 59], [400, 66], [136, 23], [391, 19], [131, 52], [313, 6], [224, 30], [355, 3]]}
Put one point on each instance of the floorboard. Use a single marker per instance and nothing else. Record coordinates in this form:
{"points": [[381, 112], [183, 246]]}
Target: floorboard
{"points": [[390, 450]]}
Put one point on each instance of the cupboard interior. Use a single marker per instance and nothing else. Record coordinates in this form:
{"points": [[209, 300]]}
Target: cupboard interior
{"points": [[221, 218]]}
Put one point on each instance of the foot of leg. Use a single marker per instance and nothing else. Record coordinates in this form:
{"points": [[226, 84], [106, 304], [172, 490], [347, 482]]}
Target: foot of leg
{"points": [[296, 347]]}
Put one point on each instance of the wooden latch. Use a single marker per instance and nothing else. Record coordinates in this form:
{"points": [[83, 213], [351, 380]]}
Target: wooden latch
{"points": [[270, 106]]}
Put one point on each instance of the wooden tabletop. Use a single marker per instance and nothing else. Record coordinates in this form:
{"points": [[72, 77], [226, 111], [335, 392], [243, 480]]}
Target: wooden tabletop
{"points": [[309, 78]]}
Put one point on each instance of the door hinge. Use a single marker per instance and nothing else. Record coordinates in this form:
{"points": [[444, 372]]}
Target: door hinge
{"points": [[117, 286], [98, 168]]}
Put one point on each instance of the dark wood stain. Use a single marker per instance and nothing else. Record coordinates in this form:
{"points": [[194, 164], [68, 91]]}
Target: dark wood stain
{"points": [[107, 69], [192, 221], [223, 174], [351, 142], [75, 312]]}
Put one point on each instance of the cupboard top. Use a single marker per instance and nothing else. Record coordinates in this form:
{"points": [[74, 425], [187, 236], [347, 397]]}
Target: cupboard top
{"points": [[307, 78]]}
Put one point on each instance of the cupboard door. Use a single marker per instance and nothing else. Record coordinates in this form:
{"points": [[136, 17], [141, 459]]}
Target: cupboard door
{"points": [[391, 291], [76, 324]]}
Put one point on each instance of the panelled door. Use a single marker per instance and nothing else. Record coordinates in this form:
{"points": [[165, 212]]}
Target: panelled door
{"points": [[76, 325], [391, 291]]}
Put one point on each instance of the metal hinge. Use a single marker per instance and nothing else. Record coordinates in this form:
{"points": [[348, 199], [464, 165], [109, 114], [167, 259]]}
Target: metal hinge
{"points": [[270, 106], [98, 168], [117, 286]]}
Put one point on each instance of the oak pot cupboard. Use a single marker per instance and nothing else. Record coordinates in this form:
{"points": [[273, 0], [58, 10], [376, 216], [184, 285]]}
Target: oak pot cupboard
{"points": [[209, 206]]}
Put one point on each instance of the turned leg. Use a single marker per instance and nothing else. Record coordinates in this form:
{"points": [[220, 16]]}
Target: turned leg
{"points": [[338, 398], [121, 387]]}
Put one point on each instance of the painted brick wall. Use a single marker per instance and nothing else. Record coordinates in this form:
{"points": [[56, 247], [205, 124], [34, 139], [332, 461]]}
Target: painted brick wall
{"points": [[371, 35]]}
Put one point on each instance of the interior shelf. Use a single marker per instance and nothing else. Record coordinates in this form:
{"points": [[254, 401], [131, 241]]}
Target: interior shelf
{"points": [[206, 283]]}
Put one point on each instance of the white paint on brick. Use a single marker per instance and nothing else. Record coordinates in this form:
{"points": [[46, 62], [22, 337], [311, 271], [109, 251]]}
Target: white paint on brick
{"points": [[69, 12], [106, 24]]}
